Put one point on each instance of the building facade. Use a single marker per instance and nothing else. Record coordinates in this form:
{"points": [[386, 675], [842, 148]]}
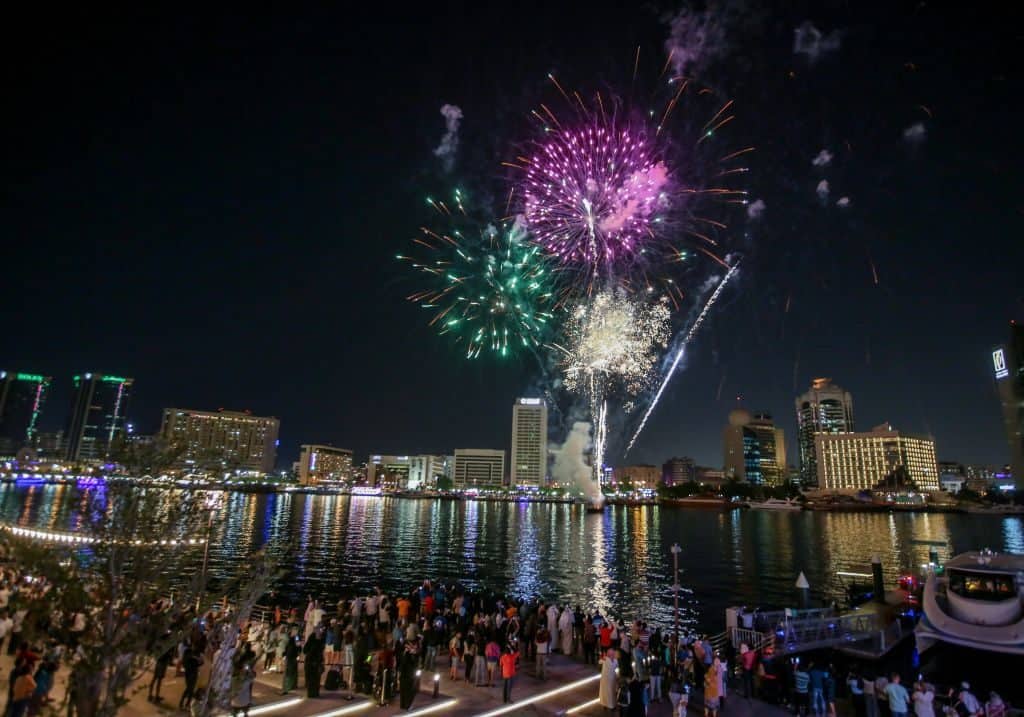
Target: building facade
{"points": [[529, 465], [676, 471], [425, 470], [639, 477], [861, 461], [22, 397], [235, 439], [824, 408], [1008, 369], [479, 468], [388, 472], [324, 465], [754, 449], [99, 405]]}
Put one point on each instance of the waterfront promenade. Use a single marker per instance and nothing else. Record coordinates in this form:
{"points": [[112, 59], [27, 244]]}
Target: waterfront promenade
{"points": [[571, 688]]}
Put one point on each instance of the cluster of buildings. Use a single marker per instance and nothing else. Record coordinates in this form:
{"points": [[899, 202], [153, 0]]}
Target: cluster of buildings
{"points": [[833, 455]]}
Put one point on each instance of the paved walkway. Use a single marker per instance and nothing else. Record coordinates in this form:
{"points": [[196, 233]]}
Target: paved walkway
{"points": [[571, 687]]}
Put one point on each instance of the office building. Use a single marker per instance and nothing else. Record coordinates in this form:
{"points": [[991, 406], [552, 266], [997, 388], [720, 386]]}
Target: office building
{"points": [[98, 408], [712, 477], [425, 470], [22, 397], [676, 471], [865, 461], [754, 449], [324, 465], [824, 408], [639, 477], [388, 472], [529, 442], [479, 468], [214, 440], [1008, 369]]}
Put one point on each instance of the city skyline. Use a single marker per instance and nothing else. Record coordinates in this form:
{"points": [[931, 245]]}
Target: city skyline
{"points": [[225, 240]]}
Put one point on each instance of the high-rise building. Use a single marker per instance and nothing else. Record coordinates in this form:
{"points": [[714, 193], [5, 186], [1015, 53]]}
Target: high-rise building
{"points": [[529, 442], [22, 397], [861, 461], [824, 408], [234, 439], [676, 471], [389, 472], [479, 468], [426, 469], [754, 449], [1008, 368], [97, 420], [324, 465]]}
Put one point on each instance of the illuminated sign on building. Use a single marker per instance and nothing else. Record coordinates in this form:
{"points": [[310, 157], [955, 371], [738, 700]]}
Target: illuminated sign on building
{"points": [[999, 363], [529, 401]]}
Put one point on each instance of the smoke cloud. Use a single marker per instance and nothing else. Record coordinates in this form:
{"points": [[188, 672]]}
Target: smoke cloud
{"points": [[823, 190], [843, 202], [915, 133], [809, 40], [823, 159], [695, 39], [755, 209], [450, 141], [571, 467]]}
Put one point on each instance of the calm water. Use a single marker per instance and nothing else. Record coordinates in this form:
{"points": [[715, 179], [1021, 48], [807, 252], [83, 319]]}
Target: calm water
{"points": [[619, 561]]}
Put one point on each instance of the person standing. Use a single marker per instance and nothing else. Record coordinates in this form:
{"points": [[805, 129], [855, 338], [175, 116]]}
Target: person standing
{"points": [[407, 676], [508, 672], [159, 671], [870, 701], [492, 653], [924, 698], [291, 663], [748, 663], [566, 623], [589, 641], [191, 662], [898, 697], [712, 681], [242, 678], [6, 625], [609, 688], [314, 659], [541, 642]]}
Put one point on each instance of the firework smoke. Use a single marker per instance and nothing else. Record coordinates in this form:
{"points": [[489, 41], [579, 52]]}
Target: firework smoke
{"points": [[570, 464], [823, 190], [809, 40], [755, 209], [843, 202], [450, 141], [823, 159], [915, 133]]}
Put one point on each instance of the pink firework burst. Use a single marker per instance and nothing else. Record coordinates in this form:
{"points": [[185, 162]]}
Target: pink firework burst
{"points": [[593, 194]]}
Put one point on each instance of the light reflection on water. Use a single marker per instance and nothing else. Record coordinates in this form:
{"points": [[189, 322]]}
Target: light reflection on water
{"points": [[618, 561]]}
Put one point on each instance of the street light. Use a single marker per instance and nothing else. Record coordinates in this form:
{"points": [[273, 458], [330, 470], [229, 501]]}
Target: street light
{"points": [[675, 586], [211, 502]]}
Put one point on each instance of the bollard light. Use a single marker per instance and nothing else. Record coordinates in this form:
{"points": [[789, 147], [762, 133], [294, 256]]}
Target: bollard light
{"points": [[437, 684]]}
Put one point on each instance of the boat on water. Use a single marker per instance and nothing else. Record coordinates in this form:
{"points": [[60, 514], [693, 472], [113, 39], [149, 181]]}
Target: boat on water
{"points": [[977, 602], [775, 504], [712, 502], [994, 509]]}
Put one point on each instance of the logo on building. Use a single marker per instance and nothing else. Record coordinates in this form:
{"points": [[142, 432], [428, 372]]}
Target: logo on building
{"points": [[999, 362]]}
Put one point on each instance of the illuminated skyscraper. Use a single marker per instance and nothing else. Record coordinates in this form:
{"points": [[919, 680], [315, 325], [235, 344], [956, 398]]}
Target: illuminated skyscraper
{"points": [[237, 439], [754, 450], [22, 396], [1008, 369], [529, 442], [823, 409], [97, 419], [861, 461], [479, 468]]}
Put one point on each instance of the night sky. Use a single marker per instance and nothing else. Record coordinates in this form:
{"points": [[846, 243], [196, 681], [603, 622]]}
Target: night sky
{"points": [[212, 205]]}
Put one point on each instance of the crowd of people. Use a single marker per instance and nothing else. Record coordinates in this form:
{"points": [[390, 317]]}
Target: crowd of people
{"points": [[380, 645]]}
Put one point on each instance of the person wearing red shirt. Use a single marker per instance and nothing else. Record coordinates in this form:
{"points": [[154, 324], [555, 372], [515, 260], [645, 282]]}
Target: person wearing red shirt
{"points": [[606, 637], [508, 671], [428, 605]]}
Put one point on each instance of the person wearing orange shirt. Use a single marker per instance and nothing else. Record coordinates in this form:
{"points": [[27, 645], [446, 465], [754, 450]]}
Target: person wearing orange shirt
{"points": [[508, 672]]}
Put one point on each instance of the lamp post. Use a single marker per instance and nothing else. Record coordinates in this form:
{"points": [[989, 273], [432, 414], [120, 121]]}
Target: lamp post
{"points": [[675, 586], [211, 502]]}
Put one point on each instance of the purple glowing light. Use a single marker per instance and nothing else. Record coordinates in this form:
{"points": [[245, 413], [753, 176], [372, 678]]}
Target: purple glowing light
{"points": [[593, 195]]}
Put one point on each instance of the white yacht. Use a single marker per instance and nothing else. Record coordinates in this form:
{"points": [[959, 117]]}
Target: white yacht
{"points": [[978, 602], [775, 504]]}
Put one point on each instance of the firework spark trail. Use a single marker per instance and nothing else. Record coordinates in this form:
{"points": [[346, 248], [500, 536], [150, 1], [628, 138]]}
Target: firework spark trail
{"points": [[679, 354]]}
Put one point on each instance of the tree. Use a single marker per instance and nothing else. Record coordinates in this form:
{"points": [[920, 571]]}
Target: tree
{"points": [[151, 458], [134, 544]]}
